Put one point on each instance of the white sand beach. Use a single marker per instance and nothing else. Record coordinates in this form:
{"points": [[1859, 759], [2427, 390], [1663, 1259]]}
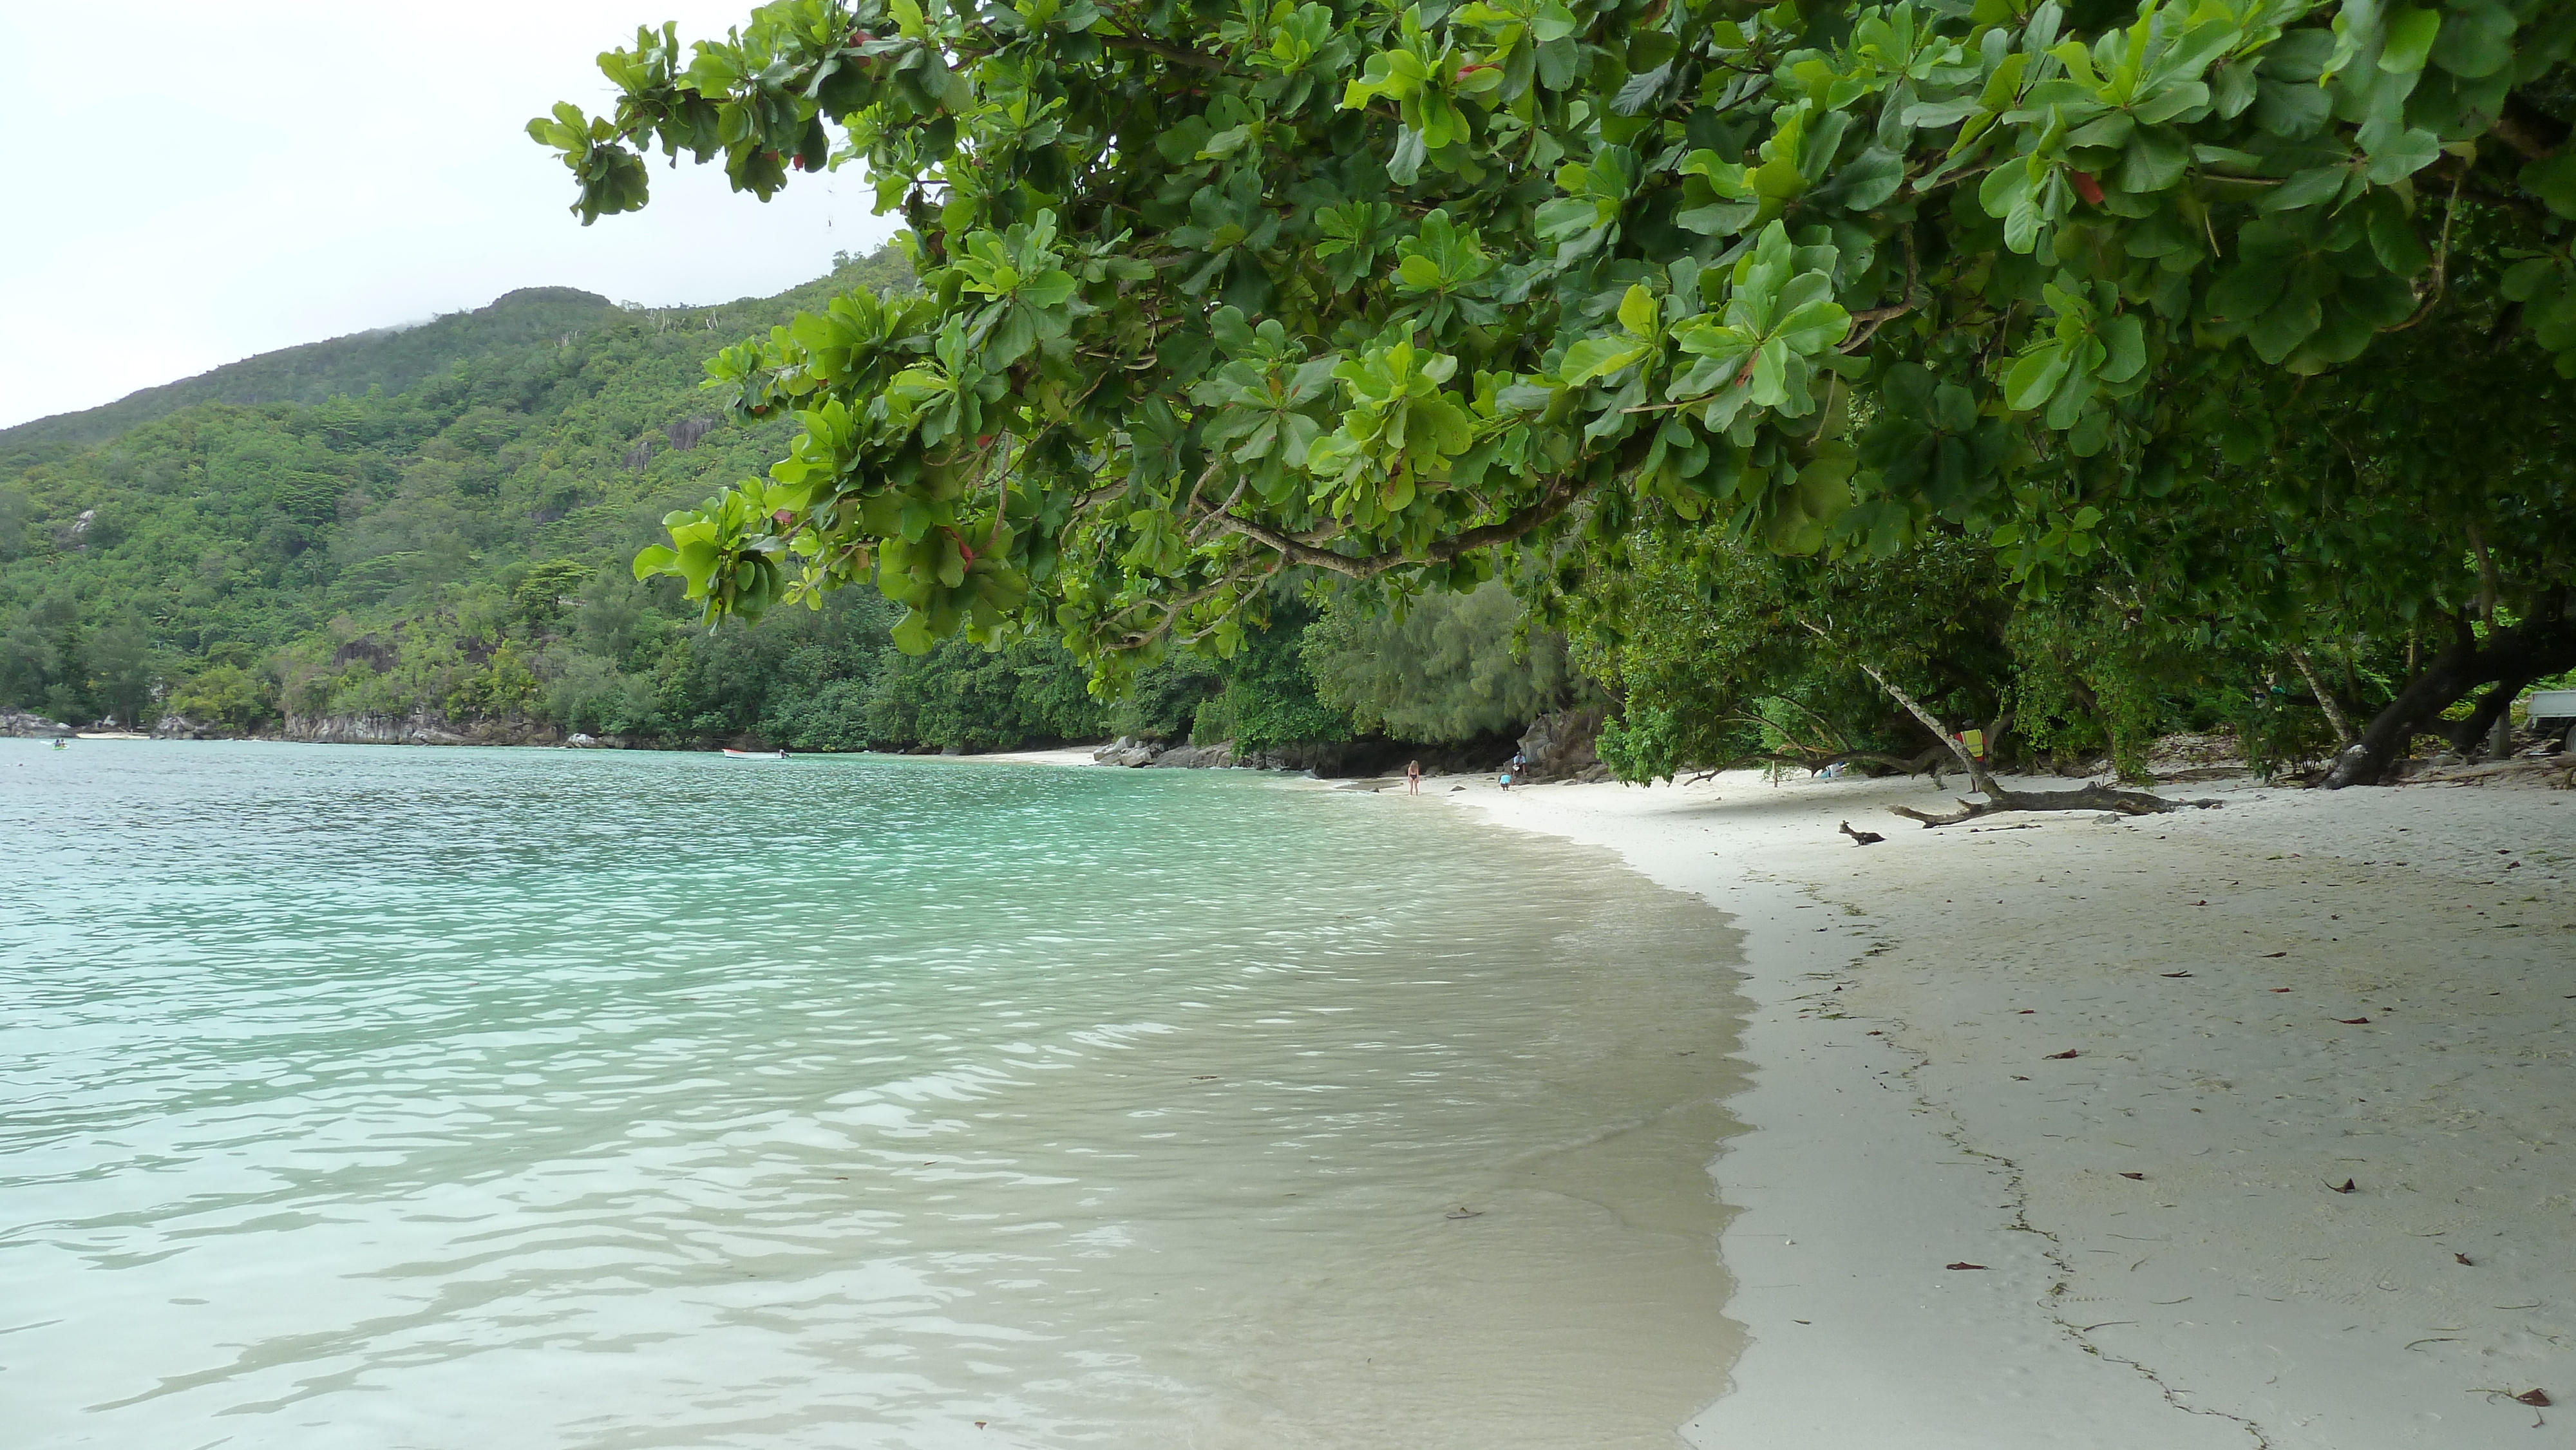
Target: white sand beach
{"points": [[2122, 1068]]}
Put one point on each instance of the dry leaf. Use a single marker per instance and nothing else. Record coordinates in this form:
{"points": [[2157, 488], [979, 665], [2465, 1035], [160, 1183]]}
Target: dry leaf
{"points": [[2140, 1177], [2275, 954], [2465, 1259], [1964, 1264], [2354, 1021], [2345, 1187], [2061, 1056], [2537, 1399]]}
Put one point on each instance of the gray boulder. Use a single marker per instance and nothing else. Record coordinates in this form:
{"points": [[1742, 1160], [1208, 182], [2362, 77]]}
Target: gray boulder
{"points": [[27, 725], [1127, 751], [1559, 745]]}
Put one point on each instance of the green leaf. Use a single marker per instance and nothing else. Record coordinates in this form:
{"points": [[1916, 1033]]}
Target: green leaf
{"points": [[2034, 376], [2411, 32], [2476, 40], [2553, 180], [1637, 311]]}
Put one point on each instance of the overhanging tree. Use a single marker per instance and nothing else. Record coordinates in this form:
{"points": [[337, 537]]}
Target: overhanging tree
{"points": [[1215, 295]]}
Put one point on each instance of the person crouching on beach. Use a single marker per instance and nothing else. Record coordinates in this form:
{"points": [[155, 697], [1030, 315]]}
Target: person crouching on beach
{"points": [[1413, 777]]}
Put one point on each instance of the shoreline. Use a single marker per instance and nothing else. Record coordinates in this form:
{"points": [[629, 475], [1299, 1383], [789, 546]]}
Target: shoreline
{"points": [[2163, 1259]]}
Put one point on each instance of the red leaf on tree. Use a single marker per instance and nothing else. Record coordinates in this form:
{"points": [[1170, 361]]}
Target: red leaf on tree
{"points": [[2086, 187]]}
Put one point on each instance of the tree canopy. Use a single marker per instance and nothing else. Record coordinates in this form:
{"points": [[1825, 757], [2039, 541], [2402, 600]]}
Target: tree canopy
{"points": [[1220, 295]]}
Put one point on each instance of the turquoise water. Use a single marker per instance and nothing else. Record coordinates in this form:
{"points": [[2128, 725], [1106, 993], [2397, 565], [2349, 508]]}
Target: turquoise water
{"points": [[372, 1097]]}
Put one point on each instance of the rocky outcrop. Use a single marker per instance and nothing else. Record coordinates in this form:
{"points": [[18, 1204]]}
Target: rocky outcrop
{"points": [[1133, 753], [1219, 756], [421, 727], [27, 725], [1128, 751], [180, 727], [1559, 746]]}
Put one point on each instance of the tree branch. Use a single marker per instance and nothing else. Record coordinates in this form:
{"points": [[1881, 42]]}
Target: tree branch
{"points": [[1201, 59], [2334, 711], [1560, 493]]}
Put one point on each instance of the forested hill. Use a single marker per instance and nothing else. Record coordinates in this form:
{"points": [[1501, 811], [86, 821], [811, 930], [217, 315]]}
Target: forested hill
{"points": [[391, 358], [434, 525]]}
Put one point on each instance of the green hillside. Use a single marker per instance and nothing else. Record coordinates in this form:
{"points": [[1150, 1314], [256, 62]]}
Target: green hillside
{"points": [[435, 521], [393, 359]]}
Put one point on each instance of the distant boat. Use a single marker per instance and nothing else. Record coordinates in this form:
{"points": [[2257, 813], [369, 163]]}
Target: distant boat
{"points": [[733, 754]]}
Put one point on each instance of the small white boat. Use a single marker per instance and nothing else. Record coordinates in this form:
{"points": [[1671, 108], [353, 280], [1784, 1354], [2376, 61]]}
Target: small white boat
{"points": [[733, 754]]}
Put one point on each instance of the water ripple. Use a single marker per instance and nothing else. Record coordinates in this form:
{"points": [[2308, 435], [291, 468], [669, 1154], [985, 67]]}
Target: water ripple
{"points": [[407, 1098]]}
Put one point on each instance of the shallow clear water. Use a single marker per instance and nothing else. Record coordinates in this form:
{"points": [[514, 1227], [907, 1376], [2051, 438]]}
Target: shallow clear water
{"points": [[493, 1098]]}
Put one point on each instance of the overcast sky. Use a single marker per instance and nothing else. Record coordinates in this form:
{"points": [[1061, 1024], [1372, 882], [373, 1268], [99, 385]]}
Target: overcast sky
{"points": [[194, 183]]}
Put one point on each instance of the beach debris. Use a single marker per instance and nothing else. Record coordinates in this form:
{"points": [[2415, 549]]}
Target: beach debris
{"points": [[2354, 1021], [2534, 1398], [2344, 1187], [2466, 1260], [2135, 1177], [1463, 1211], [2173, 974], [2062, 1056], [1862, 838], [2275, 954], [2026, 1011], [2276, 989], [1964, 1264]]}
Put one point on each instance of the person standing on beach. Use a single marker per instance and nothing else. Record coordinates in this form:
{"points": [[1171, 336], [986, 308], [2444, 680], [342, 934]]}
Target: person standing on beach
{"points": [[1413, 777], [1520, 767]]}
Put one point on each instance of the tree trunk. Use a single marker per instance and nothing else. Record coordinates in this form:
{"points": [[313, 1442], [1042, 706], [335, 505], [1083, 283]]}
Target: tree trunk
{"points": [[2488, 729], [2092, 797], [1997, 799], [2325, 698], [2527, 651]]}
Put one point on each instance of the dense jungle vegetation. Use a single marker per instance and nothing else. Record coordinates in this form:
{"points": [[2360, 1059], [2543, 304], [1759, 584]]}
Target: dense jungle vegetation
{"points": [[438, 520]]}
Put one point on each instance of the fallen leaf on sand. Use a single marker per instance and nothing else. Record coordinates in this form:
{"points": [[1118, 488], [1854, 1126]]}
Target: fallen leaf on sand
{"points": [[2017, 1077], [2061, 1056], [2465, 1259], [2276, 954], [2537, 1399], [2344, 1187], [2026, 1011], [2354, 1021], [2173, 974], [1462, 1211], [1964, 1264], [2138, 1176], [2276, 989]]}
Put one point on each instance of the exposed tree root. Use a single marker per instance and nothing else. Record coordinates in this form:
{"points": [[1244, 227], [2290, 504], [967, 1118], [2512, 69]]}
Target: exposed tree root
{"points": [[2090, 798]]}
